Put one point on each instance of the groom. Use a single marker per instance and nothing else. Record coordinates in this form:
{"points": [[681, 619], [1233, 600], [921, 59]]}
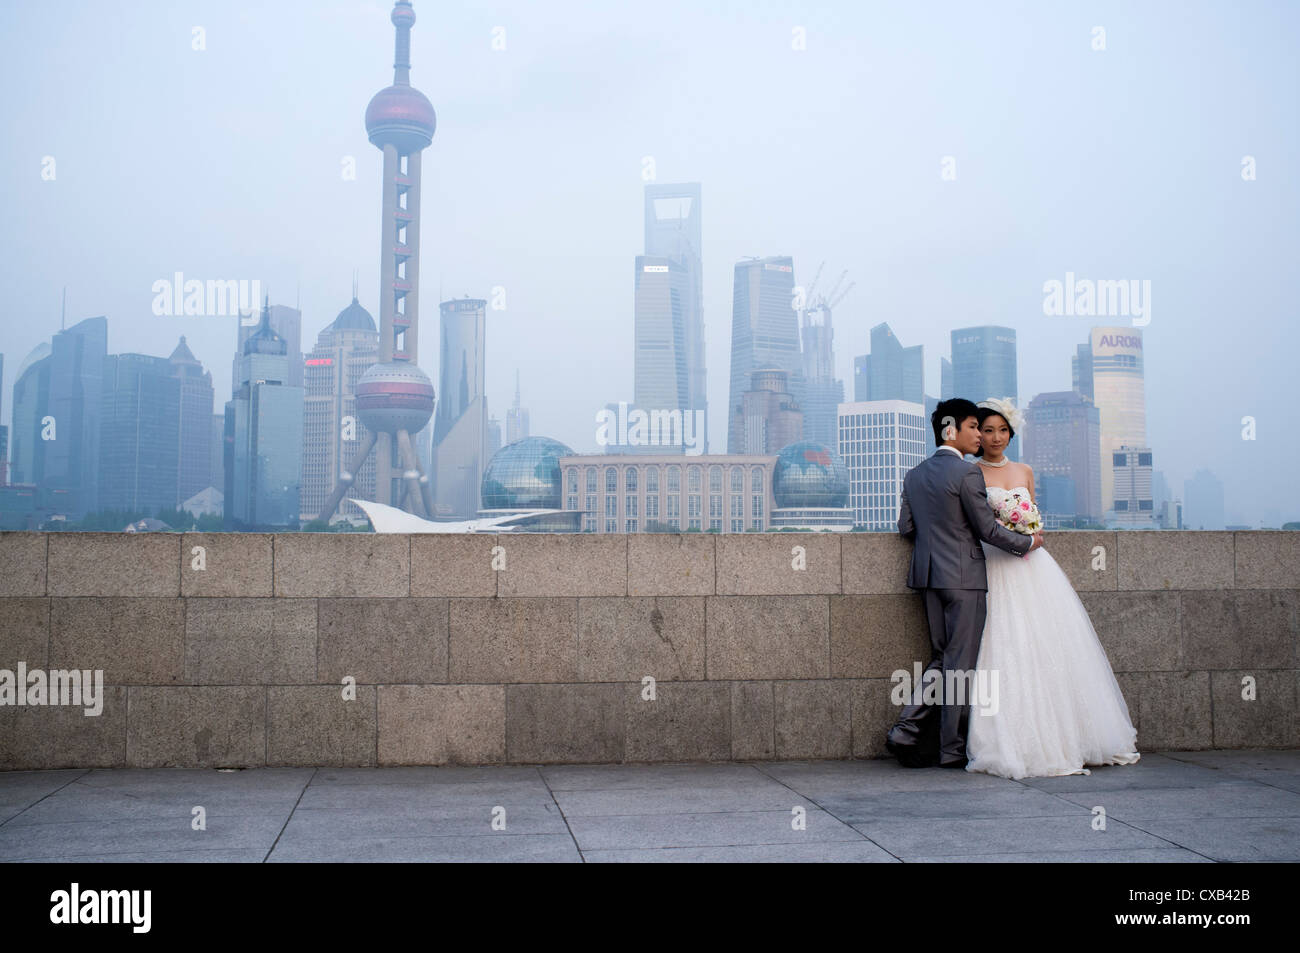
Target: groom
{"points": [[945, 511]]}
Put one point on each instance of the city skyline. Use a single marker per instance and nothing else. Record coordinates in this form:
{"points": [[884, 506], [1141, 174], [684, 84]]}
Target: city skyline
{"points": [[997, 250]]}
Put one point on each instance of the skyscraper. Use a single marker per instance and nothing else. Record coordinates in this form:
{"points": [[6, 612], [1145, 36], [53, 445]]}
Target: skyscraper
{"points": [[673, 317], [984, 365], [1081, 369], [264, 427], [661, 381], [31, 404], [332, 430], [140, 434], [1063, 440], [1110, 366], [395, 398], [890, 371], [460, 425], [287, 323], [217, 469], [823, 391], [764, 334], [76, 382], [195, 425]]}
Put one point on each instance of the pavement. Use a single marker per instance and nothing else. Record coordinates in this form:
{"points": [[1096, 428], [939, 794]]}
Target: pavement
{"points": [[1195, 807]]}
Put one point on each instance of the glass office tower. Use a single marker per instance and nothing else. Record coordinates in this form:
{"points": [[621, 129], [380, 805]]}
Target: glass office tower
{"points": [[76, 382], [890, 371], [31, 403], [764, 334], [460, 421], [195, 462], [264, 427], [673, 236], [661, 380], [140, 437], [984, 366]]}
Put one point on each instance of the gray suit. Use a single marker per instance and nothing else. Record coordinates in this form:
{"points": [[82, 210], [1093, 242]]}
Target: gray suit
{"points": [[946, 513]]}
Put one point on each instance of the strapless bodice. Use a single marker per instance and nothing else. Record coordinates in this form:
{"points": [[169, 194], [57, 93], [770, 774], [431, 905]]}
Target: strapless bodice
{"points": [[989, 490]]}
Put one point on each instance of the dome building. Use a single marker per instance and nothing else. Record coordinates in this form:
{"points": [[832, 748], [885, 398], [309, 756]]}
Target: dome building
{"points": [[523, 477], [810, 487]]}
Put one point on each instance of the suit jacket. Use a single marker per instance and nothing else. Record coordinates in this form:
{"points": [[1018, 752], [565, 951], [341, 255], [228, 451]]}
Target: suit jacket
{"points": [[946, 513]]}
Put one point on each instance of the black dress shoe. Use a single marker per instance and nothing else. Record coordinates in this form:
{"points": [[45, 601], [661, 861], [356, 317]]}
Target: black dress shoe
{"points": [[953, 764], [910, 756]]}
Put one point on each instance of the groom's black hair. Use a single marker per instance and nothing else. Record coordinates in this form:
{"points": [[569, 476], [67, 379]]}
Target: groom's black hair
{"points": [[958, 408], [984, 413]]}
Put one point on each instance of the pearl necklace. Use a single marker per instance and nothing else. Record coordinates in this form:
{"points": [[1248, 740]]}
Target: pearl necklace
{"points": [[985, 463]]}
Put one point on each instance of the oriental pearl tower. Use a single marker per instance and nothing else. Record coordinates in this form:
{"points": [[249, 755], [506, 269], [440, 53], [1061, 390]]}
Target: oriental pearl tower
{"points": [[394, 397]]}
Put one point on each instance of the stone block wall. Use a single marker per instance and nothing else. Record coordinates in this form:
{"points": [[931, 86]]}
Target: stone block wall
{"points": [[233, 649]]}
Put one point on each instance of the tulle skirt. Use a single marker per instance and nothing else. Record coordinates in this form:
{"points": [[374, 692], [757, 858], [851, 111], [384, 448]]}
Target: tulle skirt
{"points": [[1058, 706]]}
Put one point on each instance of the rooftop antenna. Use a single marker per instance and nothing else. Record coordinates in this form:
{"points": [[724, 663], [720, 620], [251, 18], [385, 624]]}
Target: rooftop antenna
{"points": [[63, 317], [354, 284]]}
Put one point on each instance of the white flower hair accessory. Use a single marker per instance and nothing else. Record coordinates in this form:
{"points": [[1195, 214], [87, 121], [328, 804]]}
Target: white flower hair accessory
{"points": [[1008, 410]]}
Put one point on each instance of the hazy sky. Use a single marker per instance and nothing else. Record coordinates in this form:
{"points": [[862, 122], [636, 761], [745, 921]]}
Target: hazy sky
{"points": [[226, 163]]}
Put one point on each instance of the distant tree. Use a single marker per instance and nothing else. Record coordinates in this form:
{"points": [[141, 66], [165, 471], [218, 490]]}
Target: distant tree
{"points": [[210, 523], [180, 520]]}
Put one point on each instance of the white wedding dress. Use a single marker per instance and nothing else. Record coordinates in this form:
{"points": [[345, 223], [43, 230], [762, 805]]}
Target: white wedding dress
{"points": [[1058, 704]]}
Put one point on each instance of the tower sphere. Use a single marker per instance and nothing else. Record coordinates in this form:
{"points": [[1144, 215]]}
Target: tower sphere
{"points": [[402, 116], [403, 14], [394, 396]]}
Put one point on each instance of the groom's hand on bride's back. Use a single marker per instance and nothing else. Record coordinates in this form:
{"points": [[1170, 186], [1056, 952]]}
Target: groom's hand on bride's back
{"points": [[1037, 544]]}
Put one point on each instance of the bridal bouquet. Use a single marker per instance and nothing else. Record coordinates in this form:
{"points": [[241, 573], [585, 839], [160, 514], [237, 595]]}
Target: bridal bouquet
{"points": [[1018, 513]]}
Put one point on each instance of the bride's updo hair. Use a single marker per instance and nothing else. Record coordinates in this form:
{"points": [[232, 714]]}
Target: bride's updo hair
{"points": [[984, 413]]}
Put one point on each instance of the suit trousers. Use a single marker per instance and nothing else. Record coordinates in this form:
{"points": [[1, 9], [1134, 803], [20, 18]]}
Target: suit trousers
{"points": [[956, 622]]}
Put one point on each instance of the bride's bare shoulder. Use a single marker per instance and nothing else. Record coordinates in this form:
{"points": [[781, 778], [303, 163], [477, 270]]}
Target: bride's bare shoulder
{"points": [[1025, 474]]}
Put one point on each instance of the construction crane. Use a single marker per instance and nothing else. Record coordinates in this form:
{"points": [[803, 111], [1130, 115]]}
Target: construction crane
{"points": [[809, 300], [836, 287], [840, 297]]}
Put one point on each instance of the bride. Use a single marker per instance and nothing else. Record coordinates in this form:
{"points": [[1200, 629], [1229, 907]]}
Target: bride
{"points": [[1058, 704]]}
